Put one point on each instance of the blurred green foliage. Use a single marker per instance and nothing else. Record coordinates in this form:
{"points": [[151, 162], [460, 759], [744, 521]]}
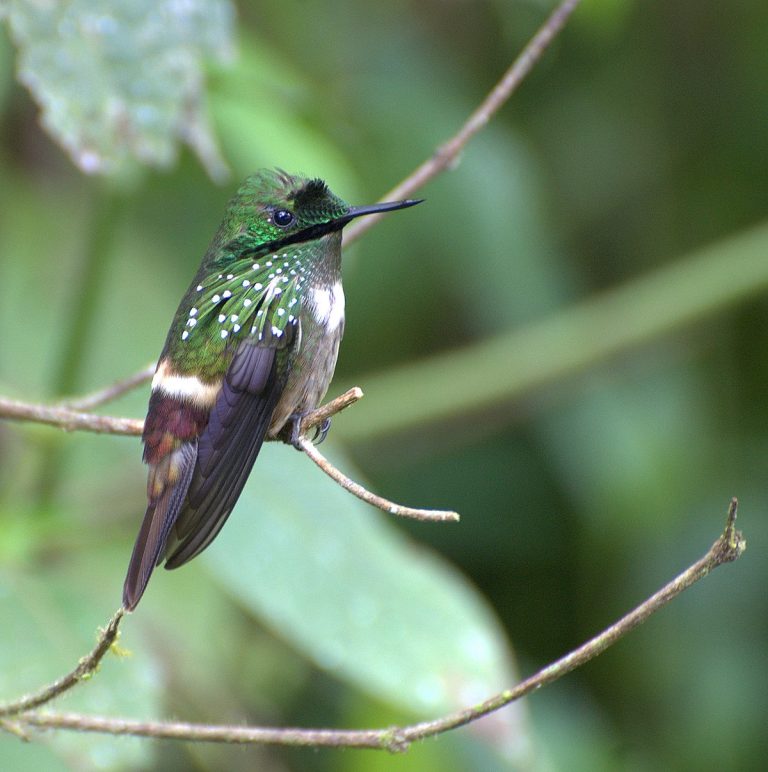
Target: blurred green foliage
{"points": [[570, 328]]}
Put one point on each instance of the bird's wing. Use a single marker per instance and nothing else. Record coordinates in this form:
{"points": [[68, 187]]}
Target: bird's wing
{"points": [[239, 420], [200, 458], [227, 449], [193, 488]]}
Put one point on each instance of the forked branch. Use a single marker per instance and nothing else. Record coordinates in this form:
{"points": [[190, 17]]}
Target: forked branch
{"points": [[365, 495], [85, 668], [728, 547], [67, 418]]}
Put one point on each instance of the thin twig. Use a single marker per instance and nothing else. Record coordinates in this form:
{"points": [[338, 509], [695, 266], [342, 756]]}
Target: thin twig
{"points": [[85, 668], [68, 419], [365, 495], [13, 728], [447, 153], [730, 546], [108, 393], [329, 409]]}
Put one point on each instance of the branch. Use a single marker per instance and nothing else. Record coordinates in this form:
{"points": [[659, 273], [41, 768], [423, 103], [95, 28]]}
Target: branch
{"points": [[447, 153], [729, 547], [317, 417], [66, 417], [86, 667], [329, 409], [365, 495]]}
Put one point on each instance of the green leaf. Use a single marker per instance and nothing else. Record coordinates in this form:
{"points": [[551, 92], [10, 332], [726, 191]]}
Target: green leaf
{"points": [[339, 582], [120, 80]]}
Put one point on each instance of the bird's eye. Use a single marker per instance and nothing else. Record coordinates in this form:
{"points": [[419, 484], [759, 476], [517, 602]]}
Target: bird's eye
{"points": [[282, 218]]}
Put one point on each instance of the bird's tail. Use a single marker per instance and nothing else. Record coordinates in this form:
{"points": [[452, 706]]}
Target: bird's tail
{"points": [[171, 478]]}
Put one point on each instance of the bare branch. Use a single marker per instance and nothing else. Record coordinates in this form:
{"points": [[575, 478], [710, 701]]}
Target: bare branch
{"points": [[85, 668], [730, 546], [371, 498], [329, 409], [68, 419], [447, 153], [181, 730], [13, 728]]}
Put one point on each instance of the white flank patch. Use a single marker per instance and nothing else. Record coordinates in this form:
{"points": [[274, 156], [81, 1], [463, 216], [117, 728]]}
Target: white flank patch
{"points": [[183, 386], [327, 306]]}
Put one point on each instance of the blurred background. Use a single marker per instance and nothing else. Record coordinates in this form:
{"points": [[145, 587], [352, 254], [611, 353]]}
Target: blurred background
{"points": [[565, 343]]}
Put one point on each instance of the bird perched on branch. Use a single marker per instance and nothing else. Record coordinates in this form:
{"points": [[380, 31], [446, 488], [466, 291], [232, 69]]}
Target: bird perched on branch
{"points": [[251, 350]]}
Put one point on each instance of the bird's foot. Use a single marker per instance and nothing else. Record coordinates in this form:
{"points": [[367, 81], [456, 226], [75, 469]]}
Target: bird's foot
{"points": [[296, 432], [321, 431]]}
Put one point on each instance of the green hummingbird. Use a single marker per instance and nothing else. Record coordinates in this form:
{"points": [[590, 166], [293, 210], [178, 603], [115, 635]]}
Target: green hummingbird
{"points": [[251, 350]]}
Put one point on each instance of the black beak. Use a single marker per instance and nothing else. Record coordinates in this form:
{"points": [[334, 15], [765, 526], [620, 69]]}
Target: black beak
{"points": [[322, 229], [390, 206]]}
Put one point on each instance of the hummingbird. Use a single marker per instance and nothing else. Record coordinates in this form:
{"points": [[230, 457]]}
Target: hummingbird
{"points": [[250, 351]]}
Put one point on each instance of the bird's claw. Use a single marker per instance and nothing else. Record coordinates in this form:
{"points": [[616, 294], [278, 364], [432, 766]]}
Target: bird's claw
{"points": [[321, 431]]}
